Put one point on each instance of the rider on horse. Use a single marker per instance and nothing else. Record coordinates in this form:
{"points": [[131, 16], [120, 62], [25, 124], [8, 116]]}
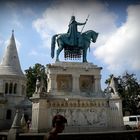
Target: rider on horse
{"points": [[74, 43], [74, 36]]}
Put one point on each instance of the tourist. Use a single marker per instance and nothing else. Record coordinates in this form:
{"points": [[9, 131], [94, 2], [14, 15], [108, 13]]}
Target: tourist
{"points": [[58, 125], [28, 124]]}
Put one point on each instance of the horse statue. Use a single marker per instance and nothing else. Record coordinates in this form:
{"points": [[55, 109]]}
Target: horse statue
{"points": [[63, 41], [113, 85]]}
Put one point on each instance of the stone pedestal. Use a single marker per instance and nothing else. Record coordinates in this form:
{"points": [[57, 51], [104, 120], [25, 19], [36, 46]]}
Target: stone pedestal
{"points": [[39, 115], [73, 78], [74, 91], [115, 113]]}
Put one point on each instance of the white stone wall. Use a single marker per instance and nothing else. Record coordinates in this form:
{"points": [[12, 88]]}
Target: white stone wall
{"points": [[90, 113], [95, 117], [115, 113], [10, 99]]}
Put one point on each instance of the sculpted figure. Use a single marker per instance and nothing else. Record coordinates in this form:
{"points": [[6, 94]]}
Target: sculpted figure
{"points": [[113, 85], [74, 43], [37, 90], [73, 33]]}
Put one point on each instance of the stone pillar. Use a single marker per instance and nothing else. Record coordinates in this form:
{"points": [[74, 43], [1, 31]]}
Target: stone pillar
{"points": [[52, 85], [1, 86], [19, 87], [75, 83], [115, 113], [39, 115], [97, 83]]}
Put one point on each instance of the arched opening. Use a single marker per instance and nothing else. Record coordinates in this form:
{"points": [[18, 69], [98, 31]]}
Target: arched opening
{"points": [[15, 88], [6, 88], [8, 114], [10, 88]]}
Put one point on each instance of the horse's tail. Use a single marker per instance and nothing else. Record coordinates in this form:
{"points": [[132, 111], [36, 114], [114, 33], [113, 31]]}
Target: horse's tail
{"points": [[53, 45]]}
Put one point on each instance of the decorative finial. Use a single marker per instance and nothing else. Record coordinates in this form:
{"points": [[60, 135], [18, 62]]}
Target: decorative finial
{"points": [[12, 31]]}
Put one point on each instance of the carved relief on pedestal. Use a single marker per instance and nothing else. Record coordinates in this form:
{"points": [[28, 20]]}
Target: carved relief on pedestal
{"points": [[88, 116], [64, 82], [86, 83]]}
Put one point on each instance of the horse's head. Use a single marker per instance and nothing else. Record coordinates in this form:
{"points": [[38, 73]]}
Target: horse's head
{"points": [[90, 35], [94, 36]]}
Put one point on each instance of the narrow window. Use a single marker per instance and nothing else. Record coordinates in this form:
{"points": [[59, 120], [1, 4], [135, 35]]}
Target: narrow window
{"points": [[10, 88], [23, 89], [8, 114], [6, 88], [15, 88]]}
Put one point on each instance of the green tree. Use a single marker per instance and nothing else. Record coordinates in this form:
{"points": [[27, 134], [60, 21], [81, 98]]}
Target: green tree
{"points": [[37, 71], [129, 91]]}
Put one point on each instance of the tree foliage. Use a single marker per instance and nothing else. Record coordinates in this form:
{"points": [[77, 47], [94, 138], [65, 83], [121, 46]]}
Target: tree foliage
{"points": [[37, 71], [129, 90]]}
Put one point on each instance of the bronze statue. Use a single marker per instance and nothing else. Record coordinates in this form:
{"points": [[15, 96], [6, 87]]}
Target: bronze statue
{"points": [[74, 43], [73, 33]]}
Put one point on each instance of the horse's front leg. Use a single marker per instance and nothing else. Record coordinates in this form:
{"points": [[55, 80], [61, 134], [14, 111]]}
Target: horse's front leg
{"points": [[85, 55], [58, 52]]}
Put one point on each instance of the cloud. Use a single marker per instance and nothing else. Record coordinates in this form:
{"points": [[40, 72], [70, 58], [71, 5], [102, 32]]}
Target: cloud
{"points": [[13, 9], [121, 50], [29, 12], [17, 23], [117, 47], [33, 53], [56, 18]]}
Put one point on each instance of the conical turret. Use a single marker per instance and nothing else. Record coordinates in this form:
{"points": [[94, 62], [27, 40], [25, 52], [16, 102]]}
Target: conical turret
{"points": [[10, 64]]}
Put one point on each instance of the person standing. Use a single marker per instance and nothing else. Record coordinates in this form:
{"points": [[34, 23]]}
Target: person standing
{"points": [[58, 125]]}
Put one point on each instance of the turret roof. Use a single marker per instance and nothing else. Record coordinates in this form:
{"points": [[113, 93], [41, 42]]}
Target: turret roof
{"points": [[10, 64]]}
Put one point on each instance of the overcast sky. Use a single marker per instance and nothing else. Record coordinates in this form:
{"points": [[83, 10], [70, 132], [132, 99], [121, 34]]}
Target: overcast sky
{"points": [[117, 49]]}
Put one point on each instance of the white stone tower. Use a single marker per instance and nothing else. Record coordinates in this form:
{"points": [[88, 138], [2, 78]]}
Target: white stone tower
{"points": [[12, 84]]}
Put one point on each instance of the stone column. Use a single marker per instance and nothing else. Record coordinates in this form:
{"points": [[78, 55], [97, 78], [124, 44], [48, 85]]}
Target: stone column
{"points": [[19, 88], [39, 115], [75, 83], [116, 116], [52, 85], [97, 83]]}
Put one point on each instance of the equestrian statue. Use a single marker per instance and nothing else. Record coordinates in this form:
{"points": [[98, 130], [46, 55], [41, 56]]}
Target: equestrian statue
{"points": [[74, 43]]}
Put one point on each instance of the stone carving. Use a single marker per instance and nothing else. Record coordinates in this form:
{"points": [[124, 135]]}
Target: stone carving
{"points": [[113, 85], [86, 83], [88, 117], [64, 82], [37, 90], [40, 87]]}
